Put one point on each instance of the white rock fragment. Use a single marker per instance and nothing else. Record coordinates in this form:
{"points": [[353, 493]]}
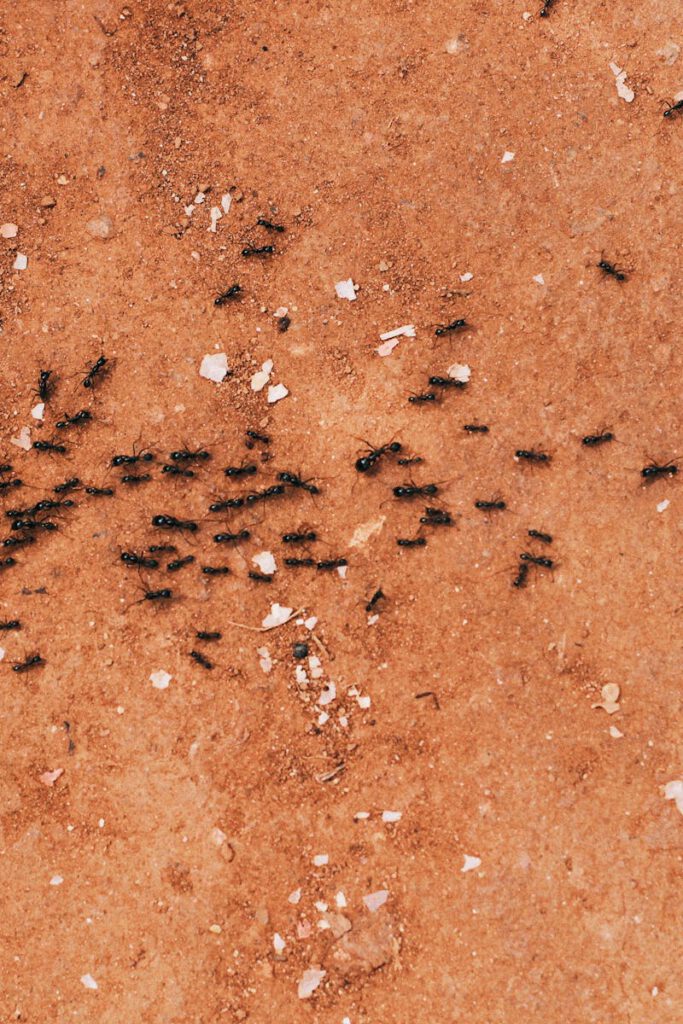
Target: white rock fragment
{"points": [[458, 44], [262, 376], [323, 718], [346, 290], [215, 214], [364, 702], [23, 439], [38, 411], [199, 198], [309, 982], [294, 897], [300, 675], [100, 227], [265, 660], [3, 652], [507, 157], [49, 778], [342, 571], [265, 562], [89, 981], [622, 89], [278, 943], [374, 900], [539, 279], [277, 615], [470, 863], [363, 533], [662, 506], [226, 202], [390, 816], [321, 859], [328, 695], [21, 262], [372, 619], [460, 372], [214, 367], [615, 733], [8, 230], [387, 347], [276, 392], [56, 880], [160, 679], [217, 836], [315, 666], [674, 791], [407, 331], [340, 900], [466, 277], [610, 698], [361, 815], [311, 623]]}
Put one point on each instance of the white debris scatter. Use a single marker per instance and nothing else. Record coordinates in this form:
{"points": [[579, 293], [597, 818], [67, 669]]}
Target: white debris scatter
{"points": [[364, 702], [276, 392], [49, 778], [56, 880], [23, 439], [277, 615], [674, 791], [89, 981], [265, 561], [294, 897], [466, 277], [216, 215], [610, 698], [622, 89], [615, 733], [199, 198], [363, 533], [21, 262], [321, 859], [507, 157], [278, 943], [226, 202], [300, 675], [265, 660], [407, 331], [387, 347], [8, 230], [470, 863], [374, 900], [38, 411], [662, 506], [539, 279], [309, 982], [160, 679], [214, 367], [346, 289], [460, 372], [328, 695], [390, 816], [262, 376], [340, 900]]}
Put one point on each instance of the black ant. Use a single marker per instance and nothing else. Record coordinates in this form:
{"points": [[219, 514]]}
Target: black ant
{"points": [[30, 662], [7, 563], [49, 446], [184, 455], [673, 108], [164, 522], [45, 385], [367, 462], [69, 485], [654, 471], [135, 478], [236, 471], [34, 524], [48, 504], [496, 504], [200, 659], [180, 563], [18, 542], [263, 223], [225, 503], [331, 563], [164, 594], [5, 485], [100, 492], [454, 325], [415, 542], [84, 416], [296, 481], [131, 558], [131, 460], [299, 538], [475, 428], [232, 292], [423, 399], [593, 440], [258, 250], [546, 563], [6, 467], [162, 549], [283, 324], [202, 634], [377, 596], [436, 517], [215, 570], [10, 624], [532, 455], [412, 460], [447, 382], [522, 575], [270, 492], [260, 577], [97, 368], [413, 491], [231, 538], [297, 563], [255, 436], [545, 10], [170, 470], [545, 538], [610, 270]]}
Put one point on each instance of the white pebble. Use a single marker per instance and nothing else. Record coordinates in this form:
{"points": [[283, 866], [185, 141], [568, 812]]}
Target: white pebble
{"points": [[262, 376], [507, 157], [88, 981], [23, 440], [374, 900], [345, 289], [321, 859], [407, 331], [311, 623], [387, 347], [226, 202], [276, 392], [278, 943], [265, 562], [470, 863], [622, 89], [615, 733], [2, 653], [309, 982], [160, 679], [674, 791], [391, 816], [216, 215], [277, 615], [214, 367], [294, 897], [460, 372], [8, 230], [466, 277], [328, 695], [21, 262], [56, 880], [38, 411], [539, 279], [663, 505], [340, 900], [265, 660]]}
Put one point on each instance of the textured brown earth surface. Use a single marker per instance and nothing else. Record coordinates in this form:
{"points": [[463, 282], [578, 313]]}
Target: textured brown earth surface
{"points": [[185, 818]]}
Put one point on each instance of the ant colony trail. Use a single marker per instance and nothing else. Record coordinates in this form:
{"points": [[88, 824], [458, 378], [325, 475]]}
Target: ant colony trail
{"points": [[339, 475]]}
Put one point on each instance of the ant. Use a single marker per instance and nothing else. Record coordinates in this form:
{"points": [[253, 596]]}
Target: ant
{"points": [[377, 596], [18, 542], [416, 542], [69, 485], [180, 563], [230, 538], [7, 563], [654, 471], [546, 563], [130, 558], [171, 470], [100, 492], [593, 440], [299, 538], [224, 503], [412, 460], [447, 382], [232, 292], [47, 504], [673, 108], [84, 416], [545, 10], [162, 548], [45, 385], [10, 624], [532, 455], [413, 491], [183, 455], [6, 467], [235, 471], [367, 462], [610, 270], [475, 428], [261, 250], [263, 223], [522, 575], [331, 563], [49, 446], [454, 325], [202, 634], [135, 478], [200, 659], [34, 524], [260, 577], [497, 504], [131, 460], [165, 594], [164, 522], [296, 563], [296, 481], [97, 368], [545, 538], [436, 517], [270, 492], [13, 482], [215, 570], [255, 436], [423, 399], [24, 666]]}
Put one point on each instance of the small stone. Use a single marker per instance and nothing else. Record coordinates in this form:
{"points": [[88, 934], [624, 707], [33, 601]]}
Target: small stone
{"points": [[300, 650], [309, 982], [89, 982], [215, 929], [8, 230], [47, 202], [100, 227], [21, 262]]}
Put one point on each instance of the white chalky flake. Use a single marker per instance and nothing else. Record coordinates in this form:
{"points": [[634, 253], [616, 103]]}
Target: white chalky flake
{"points": [[622, 89], [387, 347], [49, 778], [89, 981], [615, 733], [342, 571], [265, 561], [466, 277], [226, 202], [346, 290], [309, 982], [277, 615], [407, 331], [160, 679], [663, 505], [8, 230], [507, 157], [361, 815], [2, 653], [278, 943], [21, 262], [470, 863], [217, 836], [390, 816], [321, 859], [311, 623], [674, 791], [374, 900], [460, 372], [294, 897], [216, 215], [328, 695], [56, 880], [38, 411], [364, 702], [265, 660], [262, 376], [539, 279], [214, 367], [276, 392], [300, 674], [23, 440], [323, 718]]}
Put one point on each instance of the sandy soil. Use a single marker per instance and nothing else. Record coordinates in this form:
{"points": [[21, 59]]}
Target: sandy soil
{"points": [[160, 864]]}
